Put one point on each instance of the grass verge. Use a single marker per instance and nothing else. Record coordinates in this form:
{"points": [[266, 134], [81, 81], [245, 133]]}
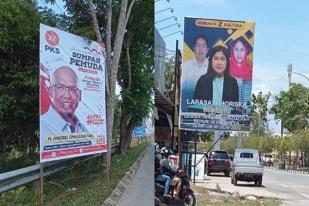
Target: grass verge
{"points": [[265, 201], [83, 185], [204, 199]]}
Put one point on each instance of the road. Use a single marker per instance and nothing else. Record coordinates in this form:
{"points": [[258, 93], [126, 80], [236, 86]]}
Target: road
{"points": [[141, 189], [293, 189]]}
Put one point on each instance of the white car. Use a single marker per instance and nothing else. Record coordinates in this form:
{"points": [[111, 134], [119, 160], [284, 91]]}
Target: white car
{"points": [[246, 166]]}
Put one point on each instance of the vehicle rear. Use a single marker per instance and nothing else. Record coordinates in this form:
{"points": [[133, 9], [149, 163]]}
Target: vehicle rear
{"points": [[247, 167], [218, 161]]}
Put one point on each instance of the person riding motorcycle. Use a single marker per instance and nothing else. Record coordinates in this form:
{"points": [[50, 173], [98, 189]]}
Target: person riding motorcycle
{"points": [[167, 168], [159, 176]]}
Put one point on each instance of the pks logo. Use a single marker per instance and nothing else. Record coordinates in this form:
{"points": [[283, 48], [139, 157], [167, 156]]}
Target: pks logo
{"points": [[52, 39]]}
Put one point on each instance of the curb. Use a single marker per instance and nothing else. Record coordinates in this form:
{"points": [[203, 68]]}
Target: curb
{"points": [[289, 171], [115, 196]]}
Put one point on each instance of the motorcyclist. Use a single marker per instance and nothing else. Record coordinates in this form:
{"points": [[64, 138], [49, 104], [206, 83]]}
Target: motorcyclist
{"points": [[168, 168], [159, 176]]}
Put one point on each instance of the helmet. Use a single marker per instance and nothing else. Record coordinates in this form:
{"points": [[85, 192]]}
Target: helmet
{"points": [[157, 148], [165, 152]]}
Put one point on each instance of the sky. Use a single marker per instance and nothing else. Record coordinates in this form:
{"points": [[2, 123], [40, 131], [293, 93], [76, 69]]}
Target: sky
{"points": [[281, 35]]}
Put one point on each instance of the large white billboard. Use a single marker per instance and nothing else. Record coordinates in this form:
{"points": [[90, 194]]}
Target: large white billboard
{"points": [[72, 95]]}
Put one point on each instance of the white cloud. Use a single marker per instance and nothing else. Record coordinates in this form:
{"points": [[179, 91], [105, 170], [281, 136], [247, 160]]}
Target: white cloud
{"points": [[270, 79]]}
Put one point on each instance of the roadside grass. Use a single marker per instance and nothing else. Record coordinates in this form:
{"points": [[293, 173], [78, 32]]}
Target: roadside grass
{"points": [[84, 185], [265, 201], [210, 200]]}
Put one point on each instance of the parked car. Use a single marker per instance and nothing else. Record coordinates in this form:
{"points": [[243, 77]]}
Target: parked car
{"points": [[246, 166], [267, 160], [218, 161]]}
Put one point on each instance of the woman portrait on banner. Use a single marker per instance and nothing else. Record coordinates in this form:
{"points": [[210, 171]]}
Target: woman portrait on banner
{"points": [[241, 69], [217, 85]]}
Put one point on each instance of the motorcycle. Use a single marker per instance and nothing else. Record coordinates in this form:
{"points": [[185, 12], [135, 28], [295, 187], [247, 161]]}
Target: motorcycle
{"points": [[186, 195]]}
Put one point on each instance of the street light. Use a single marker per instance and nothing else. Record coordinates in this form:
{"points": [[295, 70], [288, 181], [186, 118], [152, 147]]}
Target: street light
{"points": [[290, 71], [169, 26], [175, 18], [173, 33], [170, 8]]}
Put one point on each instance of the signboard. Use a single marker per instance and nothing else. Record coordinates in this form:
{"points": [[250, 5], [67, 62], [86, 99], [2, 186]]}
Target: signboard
{"points": [[216, 79], [139, 132], [199, 169], [72, 95]]}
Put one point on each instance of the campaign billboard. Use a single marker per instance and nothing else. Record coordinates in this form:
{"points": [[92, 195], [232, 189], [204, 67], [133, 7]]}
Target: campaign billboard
{"points": [[72, 95], [216, 78]]}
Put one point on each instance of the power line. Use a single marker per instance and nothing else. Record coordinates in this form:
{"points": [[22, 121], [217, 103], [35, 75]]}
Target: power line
{"points": [[43, 3], [59, 8]]}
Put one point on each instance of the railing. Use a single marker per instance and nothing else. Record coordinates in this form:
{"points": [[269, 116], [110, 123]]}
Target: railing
{"points": [[16, 178]]}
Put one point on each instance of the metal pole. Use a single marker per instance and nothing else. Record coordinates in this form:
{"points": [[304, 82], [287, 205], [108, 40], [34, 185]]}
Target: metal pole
{"points": [[290, 70], [41, 184], [175, 85], [217, 137], [194, 156]]}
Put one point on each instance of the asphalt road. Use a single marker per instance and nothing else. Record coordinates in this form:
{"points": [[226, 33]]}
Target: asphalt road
{"points": [[141, 189], [293, 189]]}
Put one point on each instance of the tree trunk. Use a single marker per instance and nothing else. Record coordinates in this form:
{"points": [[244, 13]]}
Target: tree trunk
{"points": [[290, 157], [296, 161], [112, 63], [3, 149], [302, 158], [126, 128], [306, 158]]}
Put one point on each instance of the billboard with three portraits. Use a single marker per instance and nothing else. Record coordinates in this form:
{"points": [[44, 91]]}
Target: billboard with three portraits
{"points": [[216, 78]]}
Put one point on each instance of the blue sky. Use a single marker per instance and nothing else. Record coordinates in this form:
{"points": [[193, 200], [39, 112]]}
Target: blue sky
{"points": [[281, 34]]}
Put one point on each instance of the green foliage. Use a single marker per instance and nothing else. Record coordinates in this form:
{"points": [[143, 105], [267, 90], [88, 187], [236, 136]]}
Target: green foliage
{"points": [[136, 71], [266, 144], [228, 145], [19, 40], [170, 77], [91, 186], [284, 145], [292, 108], [251, 142], [259, 113]]}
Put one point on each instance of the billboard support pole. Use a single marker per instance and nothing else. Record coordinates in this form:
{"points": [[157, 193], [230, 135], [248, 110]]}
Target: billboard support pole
{"points": [[217, 137], [41, 184], [195, 145], [175, 95]]}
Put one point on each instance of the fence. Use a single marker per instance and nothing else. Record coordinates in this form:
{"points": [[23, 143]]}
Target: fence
{"points": [[16, 178]]}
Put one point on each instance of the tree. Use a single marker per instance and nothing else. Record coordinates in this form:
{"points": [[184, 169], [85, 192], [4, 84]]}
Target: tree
{"points": [[292, 107], [251, 142], [259, 113], [19, 21], [228, 145], [283, 146], [135, 74], [170, 77], [19, 52], [266, 144]]}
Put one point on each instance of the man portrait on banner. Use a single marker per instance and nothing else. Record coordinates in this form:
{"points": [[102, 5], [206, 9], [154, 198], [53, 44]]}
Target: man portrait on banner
{"points": [[65, 96], [194, 68]]}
